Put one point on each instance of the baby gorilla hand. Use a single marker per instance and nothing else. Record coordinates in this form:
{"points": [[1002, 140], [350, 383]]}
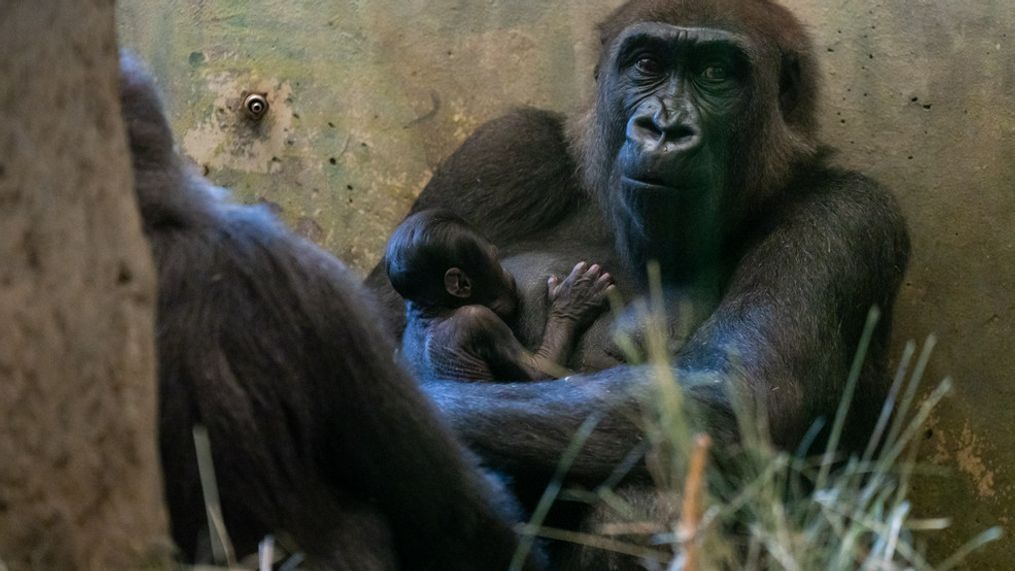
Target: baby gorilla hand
{"points": [[579, 297]]}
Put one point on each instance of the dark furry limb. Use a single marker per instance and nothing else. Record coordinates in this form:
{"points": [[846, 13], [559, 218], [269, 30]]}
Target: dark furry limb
{"points": [[316, 430]]}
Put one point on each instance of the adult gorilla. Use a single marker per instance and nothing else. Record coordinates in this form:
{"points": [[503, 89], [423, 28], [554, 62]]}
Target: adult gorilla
{"points": [[699, 150], [316, 432]]}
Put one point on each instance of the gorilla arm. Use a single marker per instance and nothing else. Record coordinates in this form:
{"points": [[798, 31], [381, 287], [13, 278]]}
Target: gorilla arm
{"points": [[524, 428], [783, 335], [791, 319]]}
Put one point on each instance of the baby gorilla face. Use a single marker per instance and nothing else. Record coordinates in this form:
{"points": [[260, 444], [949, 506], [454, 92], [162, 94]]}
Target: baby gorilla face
{"points": [[482, 280], [505, 302], [498, 291]]}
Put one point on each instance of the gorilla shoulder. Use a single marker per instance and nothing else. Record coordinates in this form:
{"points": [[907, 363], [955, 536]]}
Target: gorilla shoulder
{"points": [[514, 175]]}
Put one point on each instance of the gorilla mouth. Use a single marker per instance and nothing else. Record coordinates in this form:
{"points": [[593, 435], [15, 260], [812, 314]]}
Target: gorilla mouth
{"points": [[647, 174], [687, 188], [647, 183]]}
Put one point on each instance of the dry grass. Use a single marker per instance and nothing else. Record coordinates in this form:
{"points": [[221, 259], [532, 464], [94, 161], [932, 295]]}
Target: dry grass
{"points": [[769, 509]]}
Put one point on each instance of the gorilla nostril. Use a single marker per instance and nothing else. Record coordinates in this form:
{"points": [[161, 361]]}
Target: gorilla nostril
{"points": [[682, 138], [681, 133], [643, 129]]}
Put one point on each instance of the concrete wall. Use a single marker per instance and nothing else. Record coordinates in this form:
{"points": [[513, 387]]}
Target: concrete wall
{"points": [[368, 96]]}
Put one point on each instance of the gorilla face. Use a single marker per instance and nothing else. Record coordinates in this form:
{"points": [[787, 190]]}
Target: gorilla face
{"points": [[680, 91], [702, 112], [671, 121]]}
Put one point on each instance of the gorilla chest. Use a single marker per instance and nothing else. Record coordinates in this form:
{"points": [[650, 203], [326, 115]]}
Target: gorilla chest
{"points": [[686, 306], [531, 270]]}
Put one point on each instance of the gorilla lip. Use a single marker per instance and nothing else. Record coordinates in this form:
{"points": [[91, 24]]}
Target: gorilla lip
{"points": [[648, 184], [652, 172]]}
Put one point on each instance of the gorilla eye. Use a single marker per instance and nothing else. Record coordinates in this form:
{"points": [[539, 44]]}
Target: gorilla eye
{"points": [[647, 65], [715, 72]]}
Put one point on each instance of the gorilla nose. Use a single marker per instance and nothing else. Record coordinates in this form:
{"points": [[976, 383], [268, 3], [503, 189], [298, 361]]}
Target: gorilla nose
{"points": [[661, 135]]}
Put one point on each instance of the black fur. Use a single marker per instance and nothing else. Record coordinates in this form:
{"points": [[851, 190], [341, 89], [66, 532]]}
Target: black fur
{"points": [[428, 244], [316, 430], [803, 251]]}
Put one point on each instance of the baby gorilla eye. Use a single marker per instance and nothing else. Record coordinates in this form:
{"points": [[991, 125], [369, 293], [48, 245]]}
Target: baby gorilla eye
{"points": [[715, 72], [648, 66]]}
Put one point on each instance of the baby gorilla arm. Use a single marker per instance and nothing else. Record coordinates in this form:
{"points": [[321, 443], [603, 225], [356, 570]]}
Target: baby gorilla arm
{"points": [[574, 303], [475, 344]]}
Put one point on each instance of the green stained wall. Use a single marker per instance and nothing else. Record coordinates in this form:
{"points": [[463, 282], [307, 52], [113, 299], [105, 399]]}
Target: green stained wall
{"points": [[369, 95]]}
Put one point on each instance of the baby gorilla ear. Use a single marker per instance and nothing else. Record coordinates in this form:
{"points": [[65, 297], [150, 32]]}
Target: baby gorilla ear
{"points": [[457, 283]]}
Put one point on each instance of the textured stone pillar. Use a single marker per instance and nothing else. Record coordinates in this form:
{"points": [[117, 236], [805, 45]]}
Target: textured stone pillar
{"points": [[79, 473]]}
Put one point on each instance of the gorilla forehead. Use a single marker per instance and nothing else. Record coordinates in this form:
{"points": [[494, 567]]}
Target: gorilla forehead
{"points": [[767, 24], [730, 14], [681, 44], [682, 34], [676, 39]]}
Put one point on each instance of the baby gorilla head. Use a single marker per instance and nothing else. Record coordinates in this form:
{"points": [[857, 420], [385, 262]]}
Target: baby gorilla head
{"points": [[436, 259]]}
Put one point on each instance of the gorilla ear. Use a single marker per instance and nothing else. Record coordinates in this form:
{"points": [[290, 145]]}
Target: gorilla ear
{"points": [[789, 84], [457, 283]]}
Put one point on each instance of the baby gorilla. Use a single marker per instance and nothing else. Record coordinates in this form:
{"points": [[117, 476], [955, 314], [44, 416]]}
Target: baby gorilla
{"points": [[459, 299]]}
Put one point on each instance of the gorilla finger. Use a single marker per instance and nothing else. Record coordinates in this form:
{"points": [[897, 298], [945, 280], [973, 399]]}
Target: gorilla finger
{"points": [[552, 286]]}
